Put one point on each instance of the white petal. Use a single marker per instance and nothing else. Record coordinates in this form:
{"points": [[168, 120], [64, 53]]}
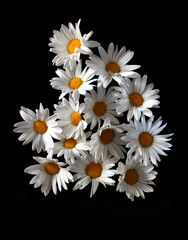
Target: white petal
{"points": [[94, 186], [103, 54]]}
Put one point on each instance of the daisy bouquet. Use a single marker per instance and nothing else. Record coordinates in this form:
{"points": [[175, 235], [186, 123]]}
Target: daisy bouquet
{"points": [[85, 139]]}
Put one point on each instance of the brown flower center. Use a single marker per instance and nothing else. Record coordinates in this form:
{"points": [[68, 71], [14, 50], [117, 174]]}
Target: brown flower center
{"points": [[112, 67], [131, 176], [93, 170], [106, 136], [51, 168], [99, 108], [145, 139], [69, 143], [40, 126], [135, 99]]}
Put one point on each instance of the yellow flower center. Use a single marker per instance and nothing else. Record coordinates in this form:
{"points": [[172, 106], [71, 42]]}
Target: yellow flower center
{"points": [[75, 118], [93, 170], [135, 99], [40, 126], [75, 83], [145, 139], [106, 136], [131, 176], [75, 43], [99, 108], [69, 143], [51, 168], [112, 67]]}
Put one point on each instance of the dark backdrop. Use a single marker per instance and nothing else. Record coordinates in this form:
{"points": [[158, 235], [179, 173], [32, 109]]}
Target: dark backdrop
{"points": [[152, 34]]}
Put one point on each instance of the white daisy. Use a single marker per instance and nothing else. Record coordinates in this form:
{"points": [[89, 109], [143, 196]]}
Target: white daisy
{"points": [[93, 170], [69, 112], [135, 178], [112, 65], [49, 173], [143, 138], [68, 44], [100, 105], [136, 97], [71, 148], [38, 127], [108, 140], [75, 80]]}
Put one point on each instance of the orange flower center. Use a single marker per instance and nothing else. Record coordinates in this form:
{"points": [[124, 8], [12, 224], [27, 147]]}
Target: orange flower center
{"points": [[131, 176], [69, 143], [135, 100], [93, 170], [112, 67], [99, 108], [145, 139], [40, 126], [75, 83], [106, 136], [51, 168], [75, 118], [75, 43]]}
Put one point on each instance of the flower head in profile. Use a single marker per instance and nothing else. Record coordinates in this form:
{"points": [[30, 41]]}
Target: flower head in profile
{"points": [[49, 174], [112, 65], [135, 178], [68, 44], [93, 170], [39, 128], [70, 114]]}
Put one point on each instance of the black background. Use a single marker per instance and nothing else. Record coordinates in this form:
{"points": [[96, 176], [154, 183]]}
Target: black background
{"points": [[150, 31]]}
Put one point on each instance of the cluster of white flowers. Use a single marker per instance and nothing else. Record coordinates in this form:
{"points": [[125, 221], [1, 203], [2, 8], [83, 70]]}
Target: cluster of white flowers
{"points": [[84, 132]]}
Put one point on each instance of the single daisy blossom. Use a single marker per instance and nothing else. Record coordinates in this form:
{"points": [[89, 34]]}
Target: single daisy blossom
{"points": [[75, 80], [108, 140], [112, 65], [39, 128], [143, 138], [100, 105], [136, 97], [68, 44], [93, 170], [69, 112], [71, 148], [49, 173], [135, 178]]}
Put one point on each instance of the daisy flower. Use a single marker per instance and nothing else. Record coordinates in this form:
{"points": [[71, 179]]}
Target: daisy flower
{"points": [[136, 97], [108, 140], [75, 80], [68, 44], [143, 138], [49, 173], [71, 148], [100, 105], [38, 128], [93, 170], [69, 112], [135, 178], [112, 65]]}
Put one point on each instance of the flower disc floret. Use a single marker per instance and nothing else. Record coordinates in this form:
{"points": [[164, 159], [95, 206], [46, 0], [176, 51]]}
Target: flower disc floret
{"points": [[94, 170], [75, 43]]}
